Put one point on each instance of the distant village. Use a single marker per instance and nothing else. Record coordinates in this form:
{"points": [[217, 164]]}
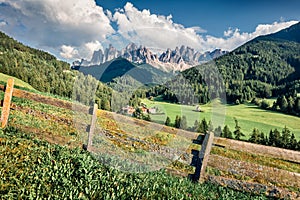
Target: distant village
{"points": [[129, 110]]}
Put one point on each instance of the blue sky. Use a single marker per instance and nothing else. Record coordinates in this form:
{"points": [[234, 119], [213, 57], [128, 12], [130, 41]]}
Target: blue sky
{"points": [[215, 16], [74, 29]]}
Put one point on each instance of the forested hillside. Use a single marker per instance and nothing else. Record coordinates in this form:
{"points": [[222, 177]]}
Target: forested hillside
{"points": [[264, 67], [47, 74], [40, 69]]}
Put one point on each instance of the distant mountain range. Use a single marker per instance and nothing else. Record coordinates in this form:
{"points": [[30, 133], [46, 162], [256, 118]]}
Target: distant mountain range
{"points": [[178, 59], [263, 67]]}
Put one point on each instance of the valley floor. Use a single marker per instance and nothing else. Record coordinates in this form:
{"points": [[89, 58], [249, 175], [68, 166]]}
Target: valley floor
{"points": [[248, 115]]}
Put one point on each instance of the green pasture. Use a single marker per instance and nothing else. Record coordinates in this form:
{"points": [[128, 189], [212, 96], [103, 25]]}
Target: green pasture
{"points": [[249, 116], [18, 82]]}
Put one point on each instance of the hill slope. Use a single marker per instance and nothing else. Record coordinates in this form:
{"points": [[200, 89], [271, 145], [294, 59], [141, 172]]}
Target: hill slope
{"points": [[264, 67], [18, 82], [40, 69], [268, 65], [47, 74]]}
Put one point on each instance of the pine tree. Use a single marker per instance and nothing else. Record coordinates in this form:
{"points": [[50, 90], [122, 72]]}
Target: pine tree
{"points": [[262, 139], [218, 131], [284, 104], [105, 104], [297, 105], [271, 140], [168, 121], [177, 121], [255, 136], [237, 132], [277, 138], [226, 133], [203, 127], [196, 126], [210, 126], [183, 123], [285, 137], [291, 104], [293, 142]]}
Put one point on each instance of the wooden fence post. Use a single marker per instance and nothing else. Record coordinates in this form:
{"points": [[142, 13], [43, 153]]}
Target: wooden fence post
{"points": [[6, 102], [92, 127], [203, 157]]}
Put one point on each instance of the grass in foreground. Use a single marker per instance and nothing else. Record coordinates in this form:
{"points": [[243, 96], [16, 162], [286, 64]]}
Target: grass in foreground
{"points": [[34, 169]]}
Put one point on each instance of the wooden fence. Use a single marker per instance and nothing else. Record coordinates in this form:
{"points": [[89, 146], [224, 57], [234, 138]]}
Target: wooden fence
{"points": [[10, 91], [206, 142]]}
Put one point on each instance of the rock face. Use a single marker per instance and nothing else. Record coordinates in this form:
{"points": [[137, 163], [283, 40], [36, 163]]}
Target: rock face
{"points": [[171, 60]]}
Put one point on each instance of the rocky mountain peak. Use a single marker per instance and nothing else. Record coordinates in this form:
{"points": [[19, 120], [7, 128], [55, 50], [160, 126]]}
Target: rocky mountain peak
{"points": [[178, 59]]}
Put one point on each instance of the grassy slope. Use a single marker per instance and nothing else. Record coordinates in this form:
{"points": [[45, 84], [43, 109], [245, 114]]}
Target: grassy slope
{"points": [[34, 169], [55, 125], [249, 116], [18, 82]]}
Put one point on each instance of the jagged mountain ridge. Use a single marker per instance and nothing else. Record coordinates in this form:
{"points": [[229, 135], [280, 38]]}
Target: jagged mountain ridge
{"points": [[171, 60], [121, 67]]}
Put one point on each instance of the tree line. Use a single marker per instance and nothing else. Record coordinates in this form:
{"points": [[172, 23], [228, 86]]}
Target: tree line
{"points": [[283, 103], [284, 139]]}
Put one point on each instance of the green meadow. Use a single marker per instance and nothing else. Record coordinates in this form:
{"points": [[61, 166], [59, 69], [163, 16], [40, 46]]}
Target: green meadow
{"points": [[18, 82], [249, 116]]}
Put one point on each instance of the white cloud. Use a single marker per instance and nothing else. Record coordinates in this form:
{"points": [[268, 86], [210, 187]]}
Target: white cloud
{"points": [[198, 29], [160, 32], [3, 23], [154, 30], [235, 38], [229, 32], [53, 23], [74, 29], [92, 46], [77, 52], [68, 52]]}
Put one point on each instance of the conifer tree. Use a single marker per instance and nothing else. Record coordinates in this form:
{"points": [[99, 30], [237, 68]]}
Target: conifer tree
{"points": [[183, 122], [196, 126], [177, 121], [226, 133], [255, 136], [168, 121], [237, 132], [285, 137]]}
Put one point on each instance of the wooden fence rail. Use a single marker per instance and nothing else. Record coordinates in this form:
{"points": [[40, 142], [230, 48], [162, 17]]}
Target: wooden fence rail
{"points": [[274, 152]]}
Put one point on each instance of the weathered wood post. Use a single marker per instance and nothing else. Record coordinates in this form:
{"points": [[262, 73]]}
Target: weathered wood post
{"points": [[6, 102], [92, 127], [203, 157]]}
